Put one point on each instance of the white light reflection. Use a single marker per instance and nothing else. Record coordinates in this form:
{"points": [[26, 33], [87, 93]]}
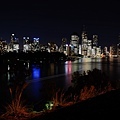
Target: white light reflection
{"points": [[8, 75], [8, 67], [28, 65]]}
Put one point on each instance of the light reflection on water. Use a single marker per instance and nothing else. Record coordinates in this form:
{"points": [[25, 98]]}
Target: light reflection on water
{"points": [[57, 70], [35, 72], [61, 74], [83, 64]]}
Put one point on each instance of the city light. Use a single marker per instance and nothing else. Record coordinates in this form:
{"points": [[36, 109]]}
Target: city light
{"points": [[84, 46]]}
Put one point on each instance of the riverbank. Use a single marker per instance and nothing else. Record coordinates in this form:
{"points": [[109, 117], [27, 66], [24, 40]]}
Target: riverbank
{"points": [[102, 107]]}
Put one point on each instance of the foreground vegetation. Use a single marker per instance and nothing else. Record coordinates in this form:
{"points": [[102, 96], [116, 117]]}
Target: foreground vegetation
{"points": [[85, 85]]}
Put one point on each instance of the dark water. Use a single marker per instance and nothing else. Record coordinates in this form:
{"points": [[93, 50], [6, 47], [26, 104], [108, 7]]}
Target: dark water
{"points": [[44, 76], [61, 74]]}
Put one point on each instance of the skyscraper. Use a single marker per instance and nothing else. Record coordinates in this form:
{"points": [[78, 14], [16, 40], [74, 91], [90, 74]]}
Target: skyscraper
{"points": [[84, 42], [95, 40], [74, 42], [14, 43]]}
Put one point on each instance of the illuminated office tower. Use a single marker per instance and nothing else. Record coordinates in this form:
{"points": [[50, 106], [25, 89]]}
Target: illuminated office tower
{"points": [[105, 50], [95, 40], [95, 44], [12, 39], [14, 43], [16, 46], [3, 46], [89, 48], [84, 43], [26, 40], [26, 44], [36, 44], [63, 46], [113, 50], [74, 42], [98, 52], [52, 47], [64, 42]]}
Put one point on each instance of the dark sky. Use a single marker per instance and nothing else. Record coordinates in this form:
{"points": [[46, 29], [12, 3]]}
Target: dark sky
{"points": [[52, 20]]}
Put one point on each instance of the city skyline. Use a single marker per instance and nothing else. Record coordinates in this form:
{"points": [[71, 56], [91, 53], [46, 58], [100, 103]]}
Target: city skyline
{"points": [[54, 20]]}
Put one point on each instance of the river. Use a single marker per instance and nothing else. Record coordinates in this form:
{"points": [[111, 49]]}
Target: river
{"points": [[59, 75]]}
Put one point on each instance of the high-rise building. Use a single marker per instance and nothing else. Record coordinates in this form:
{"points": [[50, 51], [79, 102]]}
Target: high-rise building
{"points": [[64, 42], [52, 47], [36, 44], [113, 50], [74, 42], [63, 47], [14, 43], [95, 40], [84, 43], [3, 46], [89, 48]]}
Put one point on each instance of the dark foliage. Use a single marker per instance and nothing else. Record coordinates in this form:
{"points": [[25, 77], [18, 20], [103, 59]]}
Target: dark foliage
{"points": [[95, 78]]}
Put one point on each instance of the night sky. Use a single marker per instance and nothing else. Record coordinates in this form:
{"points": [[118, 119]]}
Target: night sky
{"points": [[52, 20]]}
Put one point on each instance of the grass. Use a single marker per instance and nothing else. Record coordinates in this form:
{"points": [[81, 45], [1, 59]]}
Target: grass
{"points": [[17, 109], [85, 93], [60, 99], [91, 92]]}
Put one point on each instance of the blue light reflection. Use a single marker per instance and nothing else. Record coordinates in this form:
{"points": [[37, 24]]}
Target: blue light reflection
{"points": [[36, 73]]}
